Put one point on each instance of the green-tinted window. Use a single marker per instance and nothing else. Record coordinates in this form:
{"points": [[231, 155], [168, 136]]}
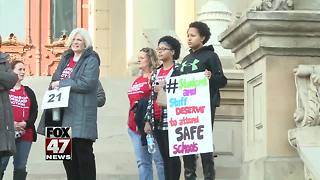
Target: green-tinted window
{"points": [[63, 17]]}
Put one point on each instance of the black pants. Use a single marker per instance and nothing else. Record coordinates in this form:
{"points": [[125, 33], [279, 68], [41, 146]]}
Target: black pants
{"points": [[82, 166], [207, 166], [190, 161], [172, 165]]}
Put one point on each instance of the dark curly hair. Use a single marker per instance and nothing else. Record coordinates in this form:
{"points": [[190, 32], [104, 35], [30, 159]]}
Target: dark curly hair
{"points": [[173, 43], [202, 28]]}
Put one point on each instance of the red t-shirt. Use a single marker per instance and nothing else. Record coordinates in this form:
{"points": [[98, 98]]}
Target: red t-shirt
{"points": [[163, 74], [21, 109], [68, 70], [139, 88]]}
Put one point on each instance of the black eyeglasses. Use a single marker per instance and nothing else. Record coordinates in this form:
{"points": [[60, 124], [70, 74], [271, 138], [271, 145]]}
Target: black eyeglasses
{"points": [[163, 49]]}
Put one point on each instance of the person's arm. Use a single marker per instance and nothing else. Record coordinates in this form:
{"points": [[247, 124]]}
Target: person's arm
{"points": [[217, 78], [101, 95], [149, 115], [33, 108]]}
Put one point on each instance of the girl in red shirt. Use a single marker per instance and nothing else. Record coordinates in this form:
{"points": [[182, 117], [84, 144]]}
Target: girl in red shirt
{"points": [[140, 90]]}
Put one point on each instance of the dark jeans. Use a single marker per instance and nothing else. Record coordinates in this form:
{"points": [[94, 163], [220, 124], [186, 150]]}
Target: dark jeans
{"points": [[172, 165], [20, 158], [190, 161], [82, 166]]}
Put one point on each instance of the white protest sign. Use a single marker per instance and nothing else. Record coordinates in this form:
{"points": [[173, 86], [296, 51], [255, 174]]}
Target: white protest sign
{"points": [[56, 98], [189, 114]]}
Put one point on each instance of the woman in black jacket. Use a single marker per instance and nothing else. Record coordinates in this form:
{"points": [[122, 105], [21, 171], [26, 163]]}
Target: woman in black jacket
{"points": [[25, 112], [203, 59]]}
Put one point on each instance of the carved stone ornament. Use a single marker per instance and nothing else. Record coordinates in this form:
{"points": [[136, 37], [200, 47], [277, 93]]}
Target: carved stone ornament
{"points": [[56, 48], [307, 80], [272, 5], [18, 51], [15, 48], [307, 116]]}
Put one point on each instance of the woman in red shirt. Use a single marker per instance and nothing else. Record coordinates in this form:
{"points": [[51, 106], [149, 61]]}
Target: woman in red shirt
{"points": [[25, 112], [140, 90]]}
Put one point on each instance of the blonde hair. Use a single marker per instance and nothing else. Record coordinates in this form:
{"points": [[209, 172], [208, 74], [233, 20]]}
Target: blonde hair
{"points": [[83, 33], [153, 59]]}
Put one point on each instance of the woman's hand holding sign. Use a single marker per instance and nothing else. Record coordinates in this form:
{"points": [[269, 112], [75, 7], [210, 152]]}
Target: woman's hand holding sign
{"points": [[207, 73], [55, 85], [159, 85], [147, 128]]}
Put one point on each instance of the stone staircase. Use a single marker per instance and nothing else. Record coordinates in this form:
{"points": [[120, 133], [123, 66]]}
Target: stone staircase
{"points": [[113, 150]]}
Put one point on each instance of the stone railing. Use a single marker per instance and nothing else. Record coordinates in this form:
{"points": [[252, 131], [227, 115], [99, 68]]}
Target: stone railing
{"points": [[305, 138]]}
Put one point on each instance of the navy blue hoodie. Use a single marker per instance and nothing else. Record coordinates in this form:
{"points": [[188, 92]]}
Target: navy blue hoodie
{"points": [[200, 60]]}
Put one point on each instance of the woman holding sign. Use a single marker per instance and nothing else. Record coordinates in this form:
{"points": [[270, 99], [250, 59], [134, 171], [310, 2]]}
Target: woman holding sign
{"points": [[203, 59], [168, 51], [138, 95], [79, 69], [25, 112]]}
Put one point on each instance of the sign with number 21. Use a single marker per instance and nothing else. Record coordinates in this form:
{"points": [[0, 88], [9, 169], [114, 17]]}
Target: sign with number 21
{"points": [[56, 98]]}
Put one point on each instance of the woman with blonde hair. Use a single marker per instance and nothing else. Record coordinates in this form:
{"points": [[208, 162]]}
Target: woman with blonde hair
{"points": [[138, 95]]}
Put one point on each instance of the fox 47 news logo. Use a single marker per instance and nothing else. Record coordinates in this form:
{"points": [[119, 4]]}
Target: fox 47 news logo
{"points": [[58, 143]]}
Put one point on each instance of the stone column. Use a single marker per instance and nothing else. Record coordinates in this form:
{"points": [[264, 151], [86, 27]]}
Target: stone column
{"points": [[151, 19], [184, 14], [269, 45], [218, 16], [109, 30]]}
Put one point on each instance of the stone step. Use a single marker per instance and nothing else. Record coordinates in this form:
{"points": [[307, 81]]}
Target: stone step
{"points": [[113, 150], [99, 177]]}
